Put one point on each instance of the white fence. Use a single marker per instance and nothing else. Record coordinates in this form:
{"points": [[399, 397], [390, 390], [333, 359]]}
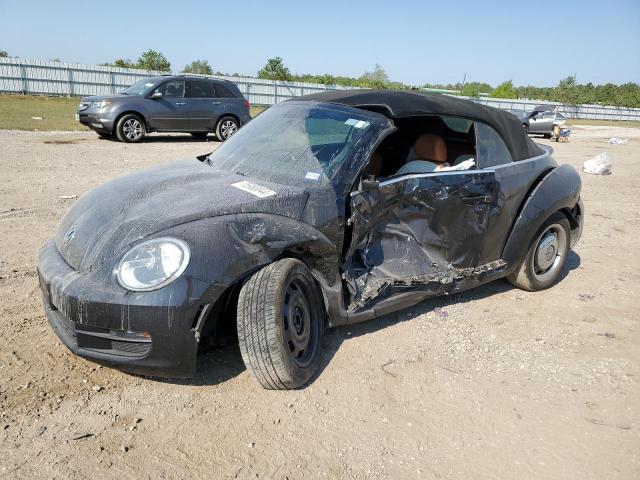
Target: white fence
{"points": [[38, 77], [596, 112]]}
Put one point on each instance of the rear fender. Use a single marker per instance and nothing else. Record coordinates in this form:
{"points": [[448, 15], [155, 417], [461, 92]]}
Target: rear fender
{"points": [[559, 190]]}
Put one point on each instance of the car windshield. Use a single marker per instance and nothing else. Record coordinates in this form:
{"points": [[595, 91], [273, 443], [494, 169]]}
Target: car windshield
{"points": [[295, 143], [140, 87]]}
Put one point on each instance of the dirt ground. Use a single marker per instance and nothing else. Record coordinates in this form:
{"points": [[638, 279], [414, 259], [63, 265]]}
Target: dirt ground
{"points": [[495, 383]]}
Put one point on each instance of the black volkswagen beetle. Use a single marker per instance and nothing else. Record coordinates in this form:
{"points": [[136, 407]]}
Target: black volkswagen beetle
{"points": [[324, 210]]}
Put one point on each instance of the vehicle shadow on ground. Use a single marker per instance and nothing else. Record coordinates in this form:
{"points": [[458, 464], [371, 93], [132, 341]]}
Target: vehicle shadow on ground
{"points": [[221, 364], [178, 139], [335, 338]]}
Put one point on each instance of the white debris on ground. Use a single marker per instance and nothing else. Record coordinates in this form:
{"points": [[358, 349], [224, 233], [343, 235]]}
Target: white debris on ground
{"points": [[618, 140], [599, 165]]}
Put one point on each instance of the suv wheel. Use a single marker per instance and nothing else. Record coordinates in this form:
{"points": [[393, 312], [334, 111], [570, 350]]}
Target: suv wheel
{"points": [[226, 127], [130, 128]]}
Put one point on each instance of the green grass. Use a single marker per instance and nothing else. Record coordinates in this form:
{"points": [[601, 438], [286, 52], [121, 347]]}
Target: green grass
{"points": [[17, 112]]}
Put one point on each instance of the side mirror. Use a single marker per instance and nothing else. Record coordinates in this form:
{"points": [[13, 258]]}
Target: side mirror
{"points": [[367, 184], [155, 95]]}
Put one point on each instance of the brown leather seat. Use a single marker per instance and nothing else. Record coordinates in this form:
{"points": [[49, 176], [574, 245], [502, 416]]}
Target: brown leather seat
{"points": [[430, 146]]}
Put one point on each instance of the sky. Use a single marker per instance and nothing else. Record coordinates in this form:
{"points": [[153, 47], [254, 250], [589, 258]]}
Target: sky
{"points": [[531, 42]]}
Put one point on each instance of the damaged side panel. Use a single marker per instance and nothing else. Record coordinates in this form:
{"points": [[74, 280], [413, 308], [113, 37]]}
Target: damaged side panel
{"points": [[420, 232]]}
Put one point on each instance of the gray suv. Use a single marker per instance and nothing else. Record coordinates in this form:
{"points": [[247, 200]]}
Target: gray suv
{"points": [[176, 103]]}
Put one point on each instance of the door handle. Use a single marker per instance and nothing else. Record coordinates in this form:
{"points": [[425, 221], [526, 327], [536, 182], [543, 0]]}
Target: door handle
{"points": [[216, 103], [181, 103]]}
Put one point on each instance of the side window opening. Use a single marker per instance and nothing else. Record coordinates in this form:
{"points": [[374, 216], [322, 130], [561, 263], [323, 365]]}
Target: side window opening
{"points": [[492, 150], [425, 144], [222, 91], [172, 89], [199, 89]]}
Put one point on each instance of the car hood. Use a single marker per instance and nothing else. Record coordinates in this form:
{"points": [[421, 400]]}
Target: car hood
{"points": [[106, 221], [97, 98]]}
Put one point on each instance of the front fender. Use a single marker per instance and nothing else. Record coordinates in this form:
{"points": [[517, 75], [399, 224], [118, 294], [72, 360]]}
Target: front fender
{"points": [[227, 247], [558, 190]]}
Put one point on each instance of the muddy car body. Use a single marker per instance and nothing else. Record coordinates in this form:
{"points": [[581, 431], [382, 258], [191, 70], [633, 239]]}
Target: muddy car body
{"points": [[287, 229]]}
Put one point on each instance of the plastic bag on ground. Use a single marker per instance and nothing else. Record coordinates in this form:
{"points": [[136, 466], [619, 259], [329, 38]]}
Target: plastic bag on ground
{"points": [[618, 140], [599, 165]]}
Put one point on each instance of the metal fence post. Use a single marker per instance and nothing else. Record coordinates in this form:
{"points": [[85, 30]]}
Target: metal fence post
{"points": [[275, 92], [23, 75], [70, 78]]}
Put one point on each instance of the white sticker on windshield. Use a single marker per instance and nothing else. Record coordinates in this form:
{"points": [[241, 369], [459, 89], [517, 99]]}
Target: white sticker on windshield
{"points": [[312, 176], [355, 123], [255, 189], [148, 84]]}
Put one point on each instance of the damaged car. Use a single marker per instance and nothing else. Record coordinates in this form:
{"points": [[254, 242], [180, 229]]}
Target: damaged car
{"points": [[325, 210]]}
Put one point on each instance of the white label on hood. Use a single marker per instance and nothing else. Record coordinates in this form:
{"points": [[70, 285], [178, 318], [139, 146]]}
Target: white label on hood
{"points": [[253, 188]]}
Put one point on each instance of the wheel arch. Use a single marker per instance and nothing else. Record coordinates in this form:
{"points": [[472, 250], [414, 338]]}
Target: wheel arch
{"points": [[130, 112], [303, 242], [557, 191]]}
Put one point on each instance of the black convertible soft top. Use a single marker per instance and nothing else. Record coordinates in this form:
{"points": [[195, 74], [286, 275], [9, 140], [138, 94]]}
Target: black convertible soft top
{"points": [[397, 104]]}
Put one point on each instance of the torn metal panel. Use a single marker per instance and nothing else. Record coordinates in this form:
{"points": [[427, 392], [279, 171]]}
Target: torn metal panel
{"points": [[427, 229]]}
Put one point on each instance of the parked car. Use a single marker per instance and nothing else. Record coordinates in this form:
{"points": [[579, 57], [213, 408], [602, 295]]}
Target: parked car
{"points": [[168, 103], [542, 120], [326, 210]]}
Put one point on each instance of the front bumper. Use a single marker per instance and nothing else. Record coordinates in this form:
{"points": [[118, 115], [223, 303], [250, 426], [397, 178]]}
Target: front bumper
{"points": [[100, 122], [148, 333]]}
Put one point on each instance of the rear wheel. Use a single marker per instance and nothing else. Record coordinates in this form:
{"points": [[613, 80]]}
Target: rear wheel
{"points": [[130, 128], [546, 257], [226, 127], [280, 325]]}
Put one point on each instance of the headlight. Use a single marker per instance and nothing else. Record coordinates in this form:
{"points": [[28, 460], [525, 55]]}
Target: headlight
{"points": [[153, 264], [101, 104], [84, 105]]}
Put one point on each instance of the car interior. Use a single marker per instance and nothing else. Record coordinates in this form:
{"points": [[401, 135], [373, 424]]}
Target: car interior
{"points": [[423, 145]]}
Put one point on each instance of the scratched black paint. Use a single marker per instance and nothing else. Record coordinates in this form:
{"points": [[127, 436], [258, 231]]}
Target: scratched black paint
{"points": [[371, 251]]}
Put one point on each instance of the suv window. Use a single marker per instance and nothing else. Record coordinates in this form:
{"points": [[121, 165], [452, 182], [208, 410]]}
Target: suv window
{"points": [[172, 89], [490, 148], [200, 89], [223, 91]]}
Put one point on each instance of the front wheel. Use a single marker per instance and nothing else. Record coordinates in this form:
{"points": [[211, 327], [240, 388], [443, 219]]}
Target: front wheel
{"points": [[130, 128], [546, 257], [280, 325], [226, 127]]}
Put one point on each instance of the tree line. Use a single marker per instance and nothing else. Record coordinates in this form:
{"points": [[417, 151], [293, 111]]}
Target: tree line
{"points": [[566, 91]]}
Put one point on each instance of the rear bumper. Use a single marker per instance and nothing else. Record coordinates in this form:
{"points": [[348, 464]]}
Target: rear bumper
{"points": [[153, 333]]}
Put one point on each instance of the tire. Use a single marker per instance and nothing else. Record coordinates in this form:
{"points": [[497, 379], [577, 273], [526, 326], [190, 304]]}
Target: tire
{"points": [[130, 128], [281, 319], [546, 257], [199, 135], [226, 127]]}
